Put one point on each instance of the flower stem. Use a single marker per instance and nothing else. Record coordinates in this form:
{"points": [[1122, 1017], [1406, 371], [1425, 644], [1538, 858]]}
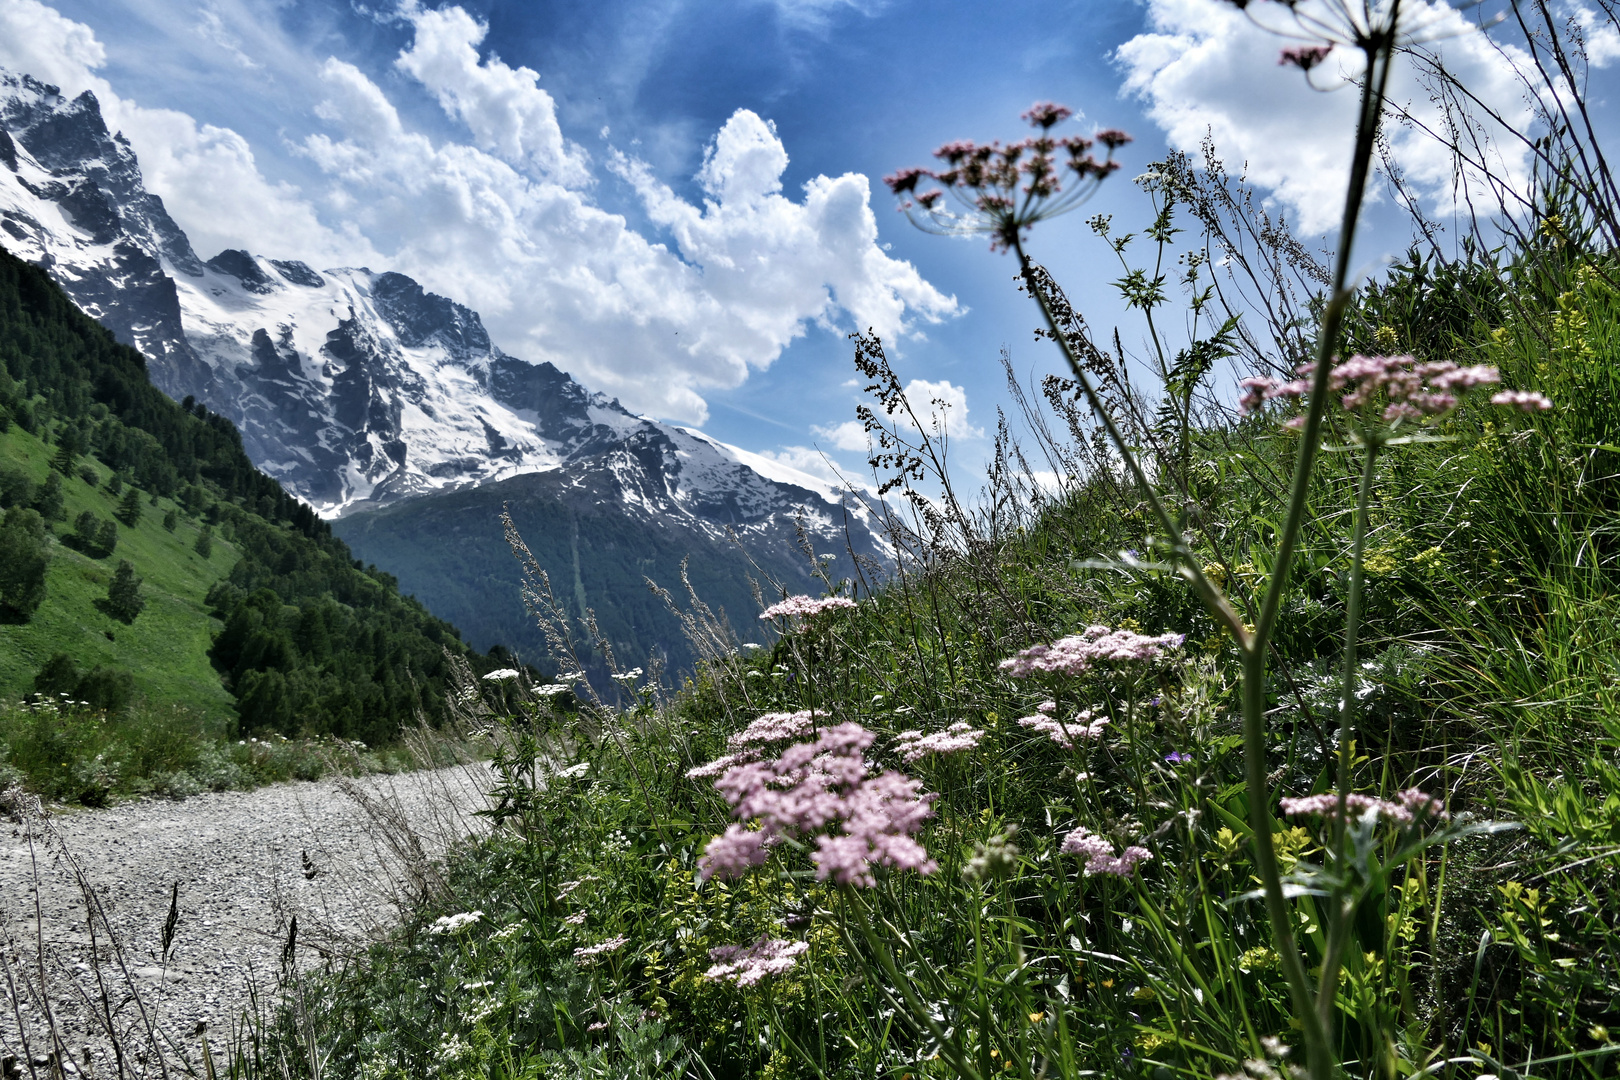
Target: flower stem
{"points": [[947, 1047]]}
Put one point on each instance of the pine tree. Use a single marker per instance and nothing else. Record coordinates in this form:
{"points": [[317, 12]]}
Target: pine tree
{"points": [[129, 508], [106, 539], [49, 500], [115, 483], [24, 558], [63, 461], [170, 520], [124, 600], [85, 528], [205, 541]]}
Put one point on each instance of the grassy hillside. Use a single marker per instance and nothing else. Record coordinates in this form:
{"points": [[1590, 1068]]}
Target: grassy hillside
{"points": [[166, 647], [250, 620]]}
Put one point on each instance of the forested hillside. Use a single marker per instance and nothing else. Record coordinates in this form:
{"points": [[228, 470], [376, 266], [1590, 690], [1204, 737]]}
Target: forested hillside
{"points": [[139, 540]]}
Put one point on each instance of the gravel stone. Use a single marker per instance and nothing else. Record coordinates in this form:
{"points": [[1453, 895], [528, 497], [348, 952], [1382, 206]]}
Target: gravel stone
{"points": [[346, 858]]}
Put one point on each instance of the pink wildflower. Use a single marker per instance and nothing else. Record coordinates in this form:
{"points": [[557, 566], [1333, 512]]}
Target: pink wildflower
{"points": [[1079, 652], [1397, 389], [1045, 114], [733, 853], [721, 764], [744, 745], [776, 727], [1255, 391], [1526, 400], [1085, 725], [746, 965], [588, 955], [813, 786], [1008, 187], [805, 606], [912, 745], [1407, 806], [1099, 853]]}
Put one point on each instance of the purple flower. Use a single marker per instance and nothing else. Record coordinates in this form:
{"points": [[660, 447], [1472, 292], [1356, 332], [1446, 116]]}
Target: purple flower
{"points": [[1099, 853], [1079, 652], [746, 965], [814, 786], [1176, 757]]}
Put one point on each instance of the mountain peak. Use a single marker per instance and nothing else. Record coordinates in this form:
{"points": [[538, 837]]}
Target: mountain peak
{"points": [[350, 387], [97, 177], [420, 317], [244, 268]]}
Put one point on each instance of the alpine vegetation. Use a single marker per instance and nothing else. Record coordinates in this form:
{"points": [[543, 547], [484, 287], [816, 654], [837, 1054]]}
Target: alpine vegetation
{"points": [[1258, 719]]}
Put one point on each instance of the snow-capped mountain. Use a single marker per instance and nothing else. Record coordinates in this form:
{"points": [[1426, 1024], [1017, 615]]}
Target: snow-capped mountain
{"points": [[352, 387]]}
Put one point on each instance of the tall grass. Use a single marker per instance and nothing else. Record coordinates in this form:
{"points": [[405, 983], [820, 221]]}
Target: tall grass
{"points": [[1484, 679]]}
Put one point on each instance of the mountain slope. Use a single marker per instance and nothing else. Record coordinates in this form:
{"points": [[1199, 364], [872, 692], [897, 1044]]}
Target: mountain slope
{"points": [[307, 640], [600, 531]]}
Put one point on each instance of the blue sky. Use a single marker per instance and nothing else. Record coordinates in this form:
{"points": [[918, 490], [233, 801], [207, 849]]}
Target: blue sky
{"points": [[601, 179]]}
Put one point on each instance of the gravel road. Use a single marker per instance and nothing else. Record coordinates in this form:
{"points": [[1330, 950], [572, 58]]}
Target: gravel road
{"points": [[344, 857]]}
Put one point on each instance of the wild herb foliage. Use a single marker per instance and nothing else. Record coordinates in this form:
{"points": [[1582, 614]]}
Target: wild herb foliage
{"points": [[1093, 904], [1268, 741], [311, 642]]}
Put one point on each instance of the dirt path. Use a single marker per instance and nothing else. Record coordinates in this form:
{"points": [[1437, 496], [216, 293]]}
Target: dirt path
{"points": [[342, 856]]}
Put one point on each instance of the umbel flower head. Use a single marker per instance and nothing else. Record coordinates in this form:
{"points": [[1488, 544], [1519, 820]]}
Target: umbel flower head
{"points": [[1004, 189], [1390, 391], [746, 965], [805, 607], [1099, 853], [1078, 653], [817, 786], [1406, 808], [1360, 25]]}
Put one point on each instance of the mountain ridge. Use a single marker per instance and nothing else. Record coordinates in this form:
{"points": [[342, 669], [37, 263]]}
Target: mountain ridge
{"points": [[356, 388]]}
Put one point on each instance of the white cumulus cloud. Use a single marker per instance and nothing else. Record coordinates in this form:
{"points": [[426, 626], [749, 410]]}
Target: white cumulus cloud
{"points": [[38, 40], [1206, 69], [850, 435], [504, 107], [771, 263], [941, 407], [557, 278]]}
